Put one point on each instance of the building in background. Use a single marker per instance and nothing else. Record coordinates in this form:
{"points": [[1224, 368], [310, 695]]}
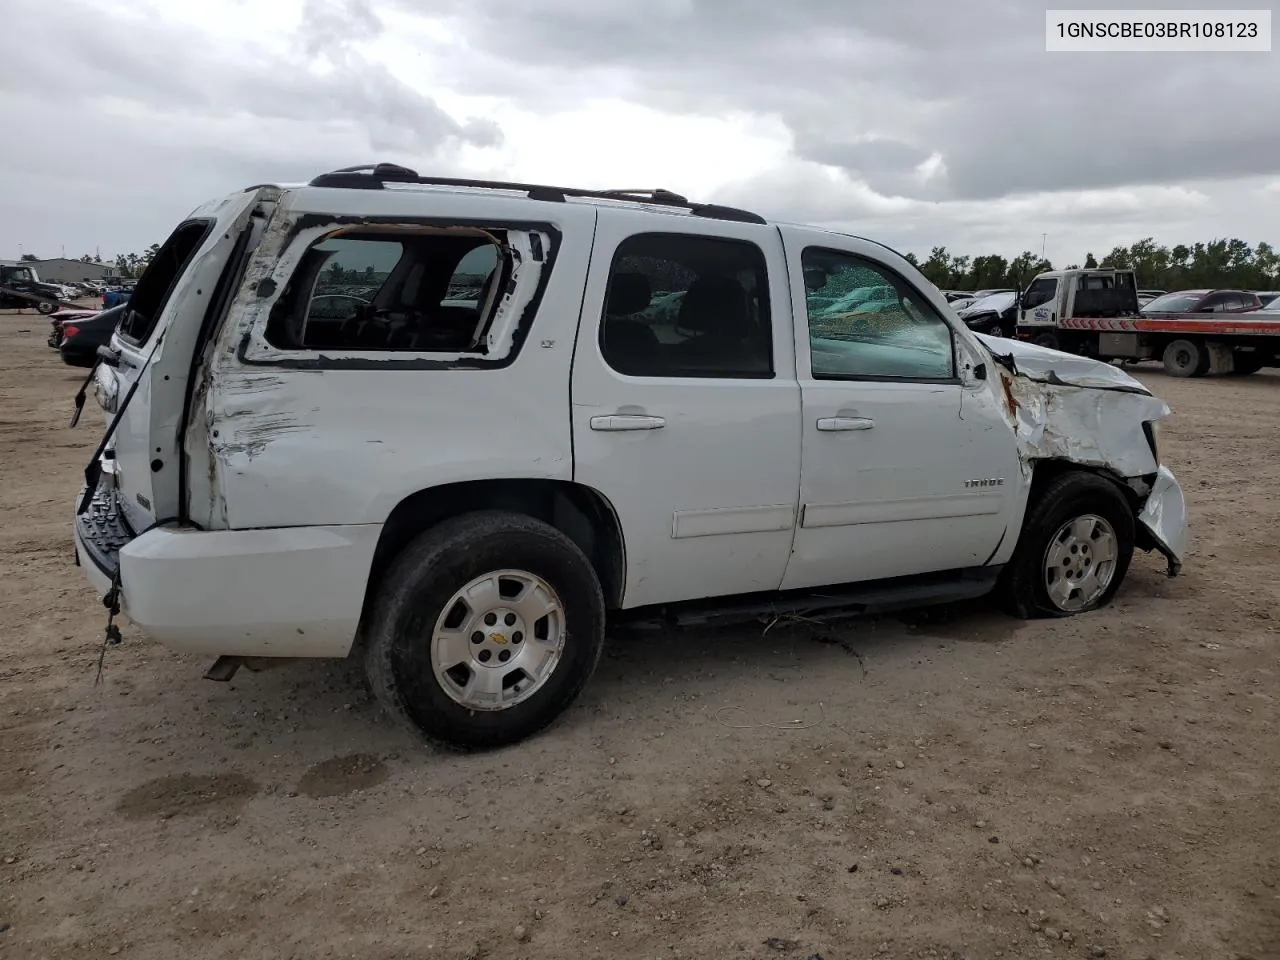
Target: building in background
{"points": [[59, 270]]}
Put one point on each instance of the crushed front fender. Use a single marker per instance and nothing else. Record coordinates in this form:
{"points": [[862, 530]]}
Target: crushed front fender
{"points": [[1165, 517]]}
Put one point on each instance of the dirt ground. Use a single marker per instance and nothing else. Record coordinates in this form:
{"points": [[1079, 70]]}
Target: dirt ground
{"points": [[960, 785]]}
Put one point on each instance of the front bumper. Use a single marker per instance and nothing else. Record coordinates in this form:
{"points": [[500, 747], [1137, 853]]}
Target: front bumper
{"points": [[280, 592], [1164, 516]]}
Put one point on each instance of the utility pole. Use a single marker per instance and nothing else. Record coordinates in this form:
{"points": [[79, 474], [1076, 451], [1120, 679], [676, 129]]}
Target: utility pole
{"points": [[1044, 238]]}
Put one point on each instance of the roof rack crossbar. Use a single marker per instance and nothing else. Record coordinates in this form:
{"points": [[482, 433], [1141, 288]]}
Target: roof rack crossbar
{"points": [[375, 176]]}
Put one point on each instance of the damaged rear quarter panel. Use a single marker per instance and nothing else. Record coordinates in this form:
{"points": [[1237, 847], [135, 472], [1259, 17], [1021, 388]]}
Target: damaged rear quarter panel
{"points": [[320, 444]]}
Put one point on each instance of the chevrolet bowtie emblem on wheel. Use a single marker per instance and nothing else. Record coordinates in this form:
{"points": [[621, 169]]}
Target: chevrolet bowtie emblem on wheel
{"points": [[497, 638]]}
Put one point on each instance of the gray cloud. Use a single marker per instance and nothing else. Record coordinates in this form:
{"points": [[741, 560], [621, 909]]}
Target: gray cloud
{"points": [[136, 119], [968, 80], [146, 110]]}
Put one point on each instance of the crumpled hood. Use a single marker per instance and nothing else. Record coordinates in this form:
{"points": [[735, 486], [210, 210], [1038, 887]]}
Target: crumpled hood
{"points": [[1053, 366]]}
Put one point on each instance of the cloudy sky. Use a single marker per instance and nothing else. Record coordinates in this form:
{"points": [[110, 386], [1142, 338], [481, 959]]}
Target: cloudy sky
{"points": [[914, 122]]}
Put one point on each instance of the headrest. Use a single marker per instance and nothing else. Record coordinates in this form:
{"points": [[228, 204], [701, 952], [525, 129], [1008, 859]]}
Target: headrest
{"points": [[715, 305], [628, 293]]}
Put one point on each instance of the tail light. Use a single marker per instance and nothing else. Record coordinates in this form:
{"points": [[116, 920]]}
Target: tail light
{"points": [[69, 331]]}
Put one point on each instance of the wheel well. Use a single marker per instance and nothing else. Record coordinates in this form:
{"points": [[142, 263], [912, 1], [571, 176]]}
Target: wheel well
{"points": [[1046, 471], [581, 513]]}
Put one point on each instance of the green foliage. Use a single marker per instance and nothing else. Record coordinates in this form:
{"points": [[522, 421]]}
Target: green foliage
{"points": [[1218, 263]]}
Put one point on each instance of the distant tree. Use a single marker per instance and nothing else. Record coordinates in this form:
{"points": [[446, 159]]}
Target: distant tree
{"points": [[30, 257], [1229, 263]]}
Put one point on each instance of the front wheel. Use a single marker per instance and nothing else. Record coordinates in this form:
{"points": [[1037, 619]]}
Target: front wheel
{"points": [[995, 331], [1074, 549], [46, 307], [485, 629]]}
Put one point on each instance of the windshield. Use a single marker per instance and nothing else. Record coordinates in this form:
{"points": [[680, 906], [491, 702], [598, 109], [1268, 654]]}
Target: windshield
{"points": [[1040, 292], [1174, 302]]}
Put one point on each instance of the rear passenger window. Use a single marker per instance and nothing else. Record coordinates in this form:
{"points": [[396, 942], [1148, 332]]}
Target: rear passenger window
{"points": [[687, 306], [423, 291]]}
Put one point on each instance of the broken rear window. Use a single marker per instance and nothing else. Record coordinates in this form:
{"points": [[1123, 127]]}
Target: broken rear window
{"points": [[399, 290]]}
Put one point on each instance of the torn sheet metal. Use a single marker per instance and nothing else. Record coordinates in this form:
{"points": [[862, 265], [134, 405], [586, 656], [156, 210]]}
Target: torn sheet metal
{"points": [[1165, 517], [1053, 366], [1065, 407]]}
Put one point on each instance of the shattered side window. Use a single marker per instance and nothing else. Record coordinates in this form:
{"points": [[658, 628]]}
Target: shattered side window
{"points": [[866, 323], [370, 291]]}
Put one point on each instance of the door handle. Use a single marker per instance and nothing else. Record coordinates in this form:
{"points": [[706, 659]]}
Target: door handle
{"points": [[624, 421], [832, 424]]}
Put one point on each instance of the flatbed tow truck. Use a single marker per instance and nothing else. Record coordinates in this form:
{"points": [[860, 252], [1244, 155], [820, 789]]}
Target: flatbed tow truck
{"points": [[1095, 313], [21, 287]]}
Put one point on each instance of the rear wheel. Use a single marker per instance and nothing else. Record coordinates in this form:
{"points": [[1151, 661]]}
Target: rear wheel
{"points": [[1244, 363], [995, 330], [1074, 549], [485, 629], [1186, 358]]}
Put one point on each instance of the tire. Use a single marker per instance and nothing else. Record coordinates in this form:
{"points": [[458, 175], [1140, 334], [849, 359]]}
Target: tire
{"points": [[1185, 358], [1047, 340], [46, 307], [1024, 589], [1246, 363], [995, 331], [419, 594]]}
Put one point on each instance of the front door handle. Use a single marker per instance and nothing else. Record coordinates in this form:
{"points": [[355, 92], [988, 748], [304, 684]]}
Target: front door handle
{"points": [[624, 421], [832, 424]]}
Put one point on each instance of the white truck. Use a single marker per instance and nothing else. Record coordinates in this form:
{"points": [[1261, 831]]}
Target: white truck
{"points": [[1095, 313], [314, 450]]}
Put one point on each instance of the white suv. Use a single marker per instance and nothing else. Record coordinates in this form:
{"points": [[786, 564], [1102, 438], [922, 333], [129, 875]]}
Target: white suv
{"points": [[459, 425]]}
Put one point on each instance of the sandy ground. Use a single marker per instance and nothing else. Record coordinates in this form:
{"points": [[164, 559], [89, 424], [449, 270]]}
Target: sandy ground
{"points": [[958, 785]]}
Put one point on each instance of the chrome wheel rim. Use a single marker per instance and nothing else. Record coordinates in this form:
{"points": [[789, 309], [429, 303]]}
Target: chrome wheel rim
{"points": [[498, 640], [1080, 562]]}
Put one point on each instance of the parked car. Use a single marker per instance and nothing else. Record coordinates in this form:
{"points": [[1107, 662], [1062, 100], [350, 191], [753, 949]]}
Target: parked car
{"points": [[1202, 301], [60, 318], [1152, 294], [1267, 297], [82, 336], [115, 297], [995, 314], [475, 491]]}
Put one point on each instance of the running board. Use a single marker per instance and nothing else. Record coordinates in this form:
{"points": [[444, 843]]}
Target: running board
{"points": [[851, 600]]}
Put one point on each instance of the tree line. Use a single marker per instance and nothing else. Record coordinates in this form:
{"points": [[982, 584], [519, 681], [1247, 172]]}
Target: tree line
{"points": [[129, 265], [1218, 263], [1232, 264]]}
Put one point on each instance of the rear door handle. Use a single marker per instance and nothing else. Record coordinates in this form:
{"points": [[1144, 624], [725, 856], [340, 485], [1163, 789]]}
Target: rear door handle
{"points": [[832, 424], [623, 421]]}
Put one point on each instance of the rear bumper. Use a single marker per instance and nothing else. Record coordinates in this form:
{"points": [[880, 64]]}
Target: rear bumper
{"points": [[1165, 517], [282, 592]]}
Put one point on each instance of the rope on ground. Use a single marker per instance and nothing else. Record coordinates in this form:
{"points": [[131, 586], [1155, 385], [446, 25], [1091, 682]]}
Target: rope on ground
{"points": [[771, 725]]}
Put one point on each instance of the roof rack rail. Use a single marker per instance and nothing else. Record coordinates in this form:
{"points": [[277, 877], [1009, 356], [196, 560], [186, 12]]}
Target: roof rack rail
{"points": [[375, 176]]}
